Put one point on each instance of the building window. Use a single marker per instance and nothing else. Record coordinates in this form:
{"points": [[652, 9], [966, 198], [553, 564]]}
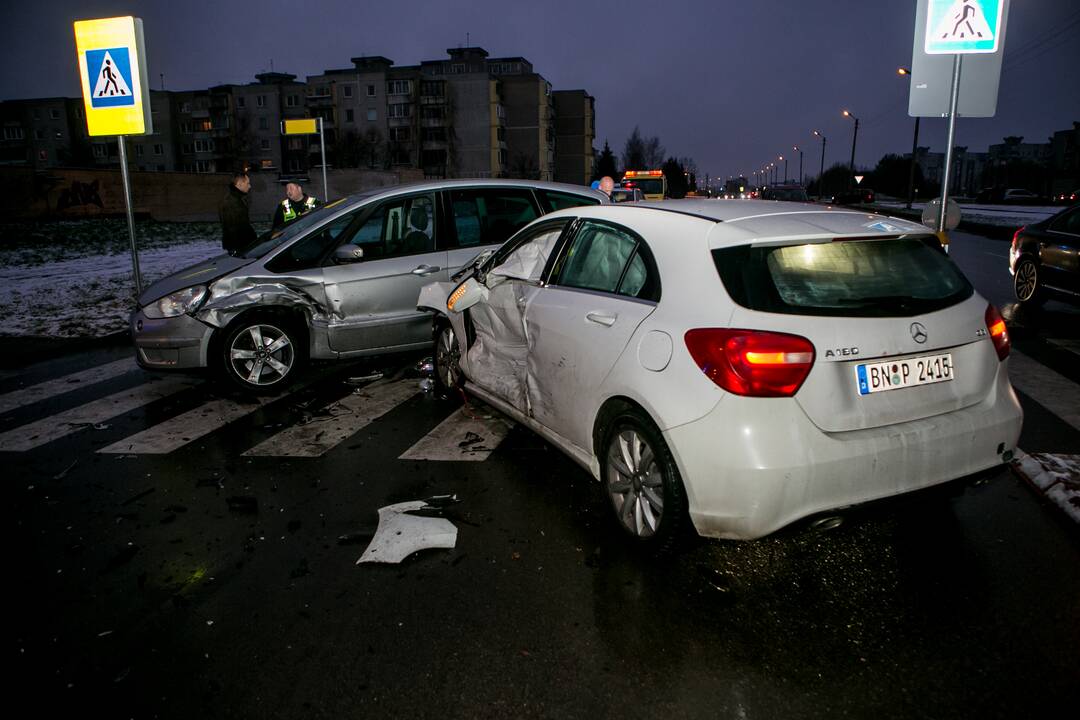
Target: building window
{"points": [[372, 115], [79, 113], [398, 87], [205, 166], [263, 124], [187, 128], [187, 148], [321, 91], [39, 134], [433, 112], [432, 88], [266, 164], [203, 126], [400, 110], [241, 102], [260, 101], [371, 91], [159, 149], [100, 151], [139, 150], [43, 155], [457, 69], [54, 114], [264, 144], [296, 143], [13, 133], [185, 107], [347, 91], [348, 116], [435, 134], [292, 100], [37, 114], [204, 146], [399, 134]]}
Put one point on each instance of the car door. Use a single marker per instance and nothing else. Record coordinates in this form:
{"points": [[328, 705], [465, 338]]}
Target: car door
{"points": [[496, 358], [373, 298], [1058, 251], [602, 286]]}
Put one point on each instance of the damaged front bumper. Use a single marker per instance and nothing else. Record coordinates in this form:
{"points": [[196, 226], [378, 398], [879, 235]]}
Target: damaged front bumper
{"points": [[175, 343]]}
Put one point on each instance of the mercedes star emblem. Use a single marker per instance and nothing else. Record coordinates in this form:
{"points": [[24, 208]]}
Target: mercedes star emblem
{"points": [[918, 332]]}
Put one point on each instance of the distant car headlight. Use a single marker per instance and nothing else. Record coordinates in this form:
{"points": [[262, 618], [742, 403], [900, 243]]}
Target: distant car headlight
{"points": [[177, 303]]}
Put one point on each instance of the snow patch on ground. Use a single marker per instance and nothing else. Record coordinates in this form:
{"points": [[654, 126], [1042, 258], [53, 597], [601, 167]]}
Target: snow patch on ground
{"points": [[74, 279], [1057, 476], [1003, 215]]}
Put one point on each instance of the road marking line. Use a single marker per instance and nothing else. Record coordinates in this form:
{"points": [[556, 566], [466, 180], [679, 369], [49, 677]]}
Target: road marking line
{"points": [[471, 433], [67, 383], [1068, 344], [53, 427], [347, 416], [178, 431], [1054, 392]]}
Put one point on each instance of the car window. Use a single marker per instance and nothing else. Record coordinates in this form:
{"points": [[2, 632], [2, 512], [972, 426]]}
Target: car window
{"points": [[488, 216], [891, 277], [402, 226], [597, 258], [529, 257], [272, 240], [308, 252], [1067, 222], [554, 200]]}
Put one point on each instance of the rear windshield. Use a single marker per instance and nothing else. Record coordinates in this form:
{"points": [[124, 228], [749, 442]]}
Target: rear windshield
{"points": [[862, 278]]}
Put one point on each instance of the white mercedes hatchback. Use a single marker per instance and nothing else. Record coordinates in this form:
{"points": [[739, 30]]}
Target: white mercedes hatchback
{"points": [[734, 365]]}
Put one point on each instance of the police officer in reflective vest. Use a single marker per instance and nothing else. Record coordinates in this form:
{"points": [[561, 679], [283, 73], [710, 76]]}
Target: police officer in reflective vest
{"points": [[295, 204]]}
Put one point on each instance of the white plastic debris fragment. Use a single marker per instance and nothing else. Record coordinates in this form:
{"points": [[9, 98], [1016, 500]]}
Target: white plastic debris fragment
{"points": [[400, 534]]}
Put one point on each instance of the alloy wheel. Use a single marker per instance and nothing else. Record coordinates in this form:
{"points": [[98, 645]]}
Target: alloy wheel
{"points": [[261, 355], [635, 483], [1026, 281], [447, 358]]}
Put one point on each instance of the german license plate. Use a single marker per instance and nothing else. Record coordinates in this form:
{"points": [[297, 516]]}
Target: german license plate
{"points": [[895, 374]]}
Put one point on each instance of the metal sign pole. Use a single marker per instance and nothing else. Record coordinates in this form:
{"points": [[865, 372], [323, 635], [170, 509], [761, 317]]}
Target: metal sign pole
{"points": [[949, 146], [322, 147], [130, 216]]}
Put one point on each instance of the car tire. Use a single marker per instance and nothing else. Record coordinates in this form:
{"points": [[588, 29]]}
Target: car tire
{"points": [[642, 483], [446, 360], [261, 370], [1026, 284]]}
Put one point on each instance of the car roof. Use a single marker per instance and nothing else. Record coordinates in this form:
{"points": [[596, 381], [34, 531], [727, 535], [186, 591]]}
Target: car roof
{"points": [[741, 221], [432, 185]]}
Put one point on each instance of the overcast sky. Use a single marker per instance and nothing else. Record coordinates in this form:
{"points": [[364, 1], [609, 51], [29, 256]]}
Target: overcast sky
{"points": [[731, 84]]}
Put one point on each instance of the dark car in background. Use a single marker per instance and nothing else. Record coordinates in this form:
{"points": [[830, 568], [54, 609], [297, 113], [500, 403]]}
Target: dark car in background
{"points": [[789, 193], [855, 196], [1043, 259]]}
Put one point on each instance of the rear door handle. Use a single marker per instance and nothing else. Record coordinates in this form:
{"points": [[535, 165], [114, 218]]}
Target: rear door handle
{"points": [[603, 318], [426, 269]]}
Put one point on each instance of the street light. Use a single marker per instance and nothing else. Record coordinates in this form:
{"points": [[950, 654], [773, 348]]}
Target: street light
{"points": [[781, 157], [914, 149], [854, 137], [821, 175], [798, 149]]}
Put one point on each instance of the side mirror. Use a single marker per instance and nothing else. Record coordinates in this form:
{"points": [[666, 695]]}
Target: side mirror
{"points": [[466, 295], [348, 254]]}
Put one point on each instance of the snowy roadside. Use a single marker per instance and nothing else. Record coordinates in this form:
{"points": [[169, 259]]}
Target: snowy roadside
{"points": [[74, 280], [1004, 215]]}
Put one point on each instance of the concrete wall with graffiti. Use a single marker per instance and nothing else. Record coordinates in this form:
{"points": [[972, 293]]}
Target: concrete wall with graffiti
{"points": [[71, 192]]}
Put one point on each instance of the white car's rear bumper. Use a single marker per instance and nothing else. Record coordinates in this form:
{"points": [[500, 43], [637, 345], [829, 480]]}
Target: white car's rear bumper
{"points": [[754, 465]]}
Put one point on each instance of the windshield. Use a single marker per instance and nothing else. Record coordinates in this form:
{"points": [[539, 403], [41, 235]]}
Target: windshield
{"points": [[273, 239], [650, 187]]}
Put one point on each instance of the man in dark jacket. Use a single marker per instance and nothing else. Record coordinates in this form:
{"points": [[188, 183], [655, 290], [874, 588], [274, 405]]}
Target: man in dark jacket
{"points": [[236, 230]]}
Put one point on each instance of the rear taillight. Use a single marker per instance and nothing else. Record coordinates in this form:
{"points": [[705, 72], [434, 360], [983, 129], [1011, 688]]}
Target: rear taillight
{"points": [[995, 325], [752, 362], [1016, 237]]}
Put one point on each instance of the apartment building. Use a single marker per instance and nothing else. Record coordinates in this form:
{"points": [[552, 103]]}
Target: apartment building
{"points": [[575, 131]]}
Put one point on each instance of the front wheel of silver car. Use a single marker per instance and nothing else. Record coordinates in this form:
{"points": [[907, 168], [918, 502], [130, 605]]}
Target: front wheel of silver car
{"points": [[642, 483], [260, 355], [446, 359]]}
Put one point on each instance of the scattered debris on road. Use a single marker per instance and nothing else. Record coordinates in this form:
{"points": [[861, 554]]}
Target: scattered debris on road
{"points": [[400, 533]]}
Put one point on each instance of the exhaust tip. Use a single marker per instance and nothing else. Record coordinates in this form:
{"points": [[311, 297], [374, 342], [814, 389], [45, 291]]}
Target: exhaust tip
{"points": [[826, 523]]}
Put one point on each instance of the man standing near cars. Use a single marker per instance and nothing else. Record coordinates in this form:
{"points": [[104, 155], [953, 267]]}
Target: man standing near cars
{"points": [[236, 229], [295, 204], [607, 184]]}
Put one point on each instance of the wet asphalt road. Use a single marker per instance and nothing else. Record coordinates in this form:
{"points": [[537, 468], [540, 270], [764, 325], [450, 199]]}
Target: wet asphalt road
{"points": [[203, 583]]}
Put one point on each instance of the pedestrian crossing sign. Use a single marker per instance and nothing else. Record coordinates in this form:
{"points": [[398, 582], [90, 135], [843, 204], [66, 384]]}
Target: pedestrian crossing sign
{"points": [[112, 65], [960, 27]]}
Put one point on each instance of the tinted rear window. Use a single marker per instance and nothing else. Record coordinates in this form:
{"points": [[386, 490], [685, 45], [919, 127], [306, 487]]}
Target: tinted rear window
{"points": [[861, 278]]}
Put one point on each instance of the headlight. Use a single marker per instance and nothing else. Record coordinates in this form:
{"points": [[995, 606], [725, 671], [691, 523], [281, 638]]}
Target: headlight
{"points": [[178, 303]]}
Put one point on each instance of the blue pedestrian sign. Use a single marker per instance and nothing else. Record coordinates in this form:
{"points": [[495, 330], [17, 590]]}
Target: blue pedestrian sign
{"points": [[110, 77], [960, 27]]}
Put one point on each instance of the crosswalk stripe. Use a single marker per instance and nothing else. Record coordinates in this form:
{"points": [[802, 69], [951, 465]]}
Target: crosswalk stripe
{"points": [[469, 433], [53, 427], [1054, 392], [1069, 344], [184, 428], [345, 418], [67, 383]]}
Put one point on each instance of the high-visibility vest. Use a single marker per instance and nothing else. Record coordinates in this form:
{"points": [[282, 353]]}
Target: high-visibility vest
{"points": [[289, 210]]}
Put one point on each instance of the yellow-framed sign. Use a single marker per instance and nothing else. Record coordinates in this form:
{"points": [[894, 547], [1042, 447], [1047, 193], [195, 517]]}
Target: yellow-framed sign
{"points": [[112, 66]]}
